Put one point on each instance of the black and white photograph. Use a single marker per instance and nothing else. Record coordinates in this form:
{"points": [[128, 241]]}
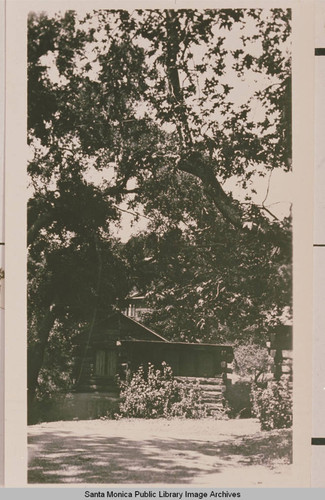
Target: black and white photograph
{"points": [[160, 318]]}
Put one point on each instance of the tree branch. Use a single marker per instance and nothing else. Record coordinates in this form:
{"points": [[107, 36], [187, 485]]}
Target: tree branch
{"points": [[172, 50], [196, 165], [135, 214]]}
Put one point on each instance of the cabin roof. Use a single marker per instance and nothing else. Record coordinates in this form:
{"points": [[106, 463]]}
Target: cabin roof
{"points": [[197, 344], [152, 332]]}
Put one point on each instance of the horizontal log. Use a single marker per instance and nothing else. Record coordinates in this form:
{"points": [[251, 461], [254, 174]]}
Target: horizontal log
{"points": [[211, 389], [201, 380]]}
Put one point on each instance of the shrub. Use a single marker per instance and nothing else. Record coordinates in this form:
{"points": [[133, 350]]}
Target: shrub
{"points": [[252, 362], [154, 393], [273, 405]]}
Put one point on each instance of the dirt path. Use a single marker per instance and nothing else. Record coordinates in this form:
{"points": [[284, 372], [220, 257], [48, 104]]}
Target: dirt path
{"points": [[161, 452]]}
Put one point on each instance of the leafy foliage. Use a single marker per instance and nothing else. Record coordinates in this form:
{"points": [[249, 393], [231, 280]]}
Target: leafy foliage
{"points": [[202, 288], [273, 405], [154, 393], [252, 362]]}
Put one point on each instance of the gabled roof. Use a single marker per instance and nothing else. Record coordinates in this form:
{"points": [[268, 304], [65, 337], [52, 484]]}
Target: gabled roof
{"points": [[197, 345], [159, 337]]}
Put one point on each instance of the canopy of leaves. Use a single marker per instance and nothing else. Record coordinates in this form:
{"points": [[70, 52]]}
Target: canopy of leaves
{"points": [[204, 92]]}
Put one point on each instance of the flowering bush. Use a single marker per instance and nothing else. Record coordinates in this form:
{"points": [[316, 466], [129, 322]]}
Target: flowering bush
{"points": [[154, 393], [273, 405]]}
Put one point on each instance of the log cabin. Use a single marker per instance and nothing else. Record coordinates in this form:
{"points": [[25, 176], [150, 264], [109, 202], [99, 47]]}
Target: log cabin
{"points": [[122, 343]]}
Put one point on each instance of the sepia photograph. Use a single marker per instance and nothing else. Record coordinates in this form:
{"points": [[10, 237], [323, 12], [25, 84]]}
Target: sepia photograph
{"points": [[159, 274]]}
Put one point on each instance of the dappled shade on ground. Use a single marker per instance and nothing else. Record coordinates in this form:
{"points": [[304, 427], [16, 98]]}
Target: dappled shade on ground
{"points": [[157, 452]]}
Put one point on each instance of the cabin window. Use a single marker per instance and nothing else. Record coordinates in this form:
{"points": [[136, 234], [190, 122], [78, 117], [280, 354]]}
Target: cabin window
{"points": [[105, 365]]}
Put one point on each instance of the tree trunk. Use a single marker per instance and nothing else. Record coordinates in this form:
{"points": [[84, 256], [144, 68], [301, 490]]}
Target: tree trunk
{"points": [[36, 353]]}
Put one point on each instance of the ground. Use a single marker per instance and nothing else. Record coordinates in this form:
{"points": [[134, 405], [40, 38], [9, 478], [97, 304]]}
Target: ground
{"points": [[202, 452]]}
